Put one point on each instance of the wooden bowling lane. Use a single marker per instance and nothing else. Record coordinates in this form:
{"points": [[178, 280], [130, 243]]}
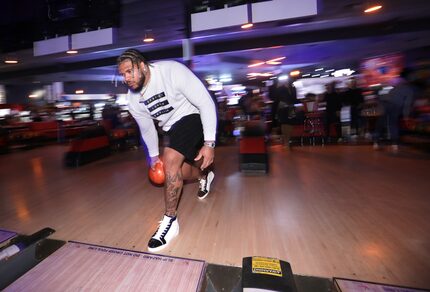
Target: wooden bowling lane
{"points": [[83, 267], [334, 211]]}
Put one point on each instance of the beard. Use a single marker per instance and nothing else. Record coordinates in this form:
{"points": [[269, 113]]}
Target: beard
{"points": [[139, 83]]}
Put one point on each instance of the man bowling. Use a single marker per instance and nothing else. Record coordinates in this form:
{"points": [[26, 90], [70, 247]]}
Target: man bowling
{"points": [[168, 92]]}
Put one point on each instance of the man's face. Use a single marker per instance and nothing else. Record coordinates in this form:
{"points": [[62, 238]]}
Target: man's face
{"points": [[133, 76]]}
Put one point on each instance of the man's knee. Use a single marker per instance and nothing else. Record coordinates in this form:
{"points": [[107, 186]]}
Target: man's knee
{"points": [[172, 159]]}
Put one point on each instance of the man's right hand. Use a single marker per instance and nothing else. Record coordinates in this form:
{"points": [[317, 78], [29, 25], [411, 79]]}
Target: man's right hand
{"points": [[153, 161]]}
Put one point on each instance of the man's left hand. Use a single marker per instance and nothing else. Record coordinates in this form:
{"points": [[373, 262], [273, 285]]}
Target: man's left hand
{"points": [[207, 153]]}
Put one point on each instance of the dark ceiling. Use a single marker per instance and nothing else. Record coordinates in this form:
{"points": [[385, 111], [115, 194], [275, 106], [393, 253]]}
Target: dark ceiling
{"points": [[25, 21], [340, 35]]}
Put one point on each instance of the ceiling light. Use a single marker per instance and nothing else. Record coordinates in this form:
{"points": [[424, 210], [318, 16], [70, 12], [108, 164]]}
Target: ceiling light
{"points": [[372, 8], [11, 61], [225, 78], [268, 74], [256, 64], [295, 73], [149, 37], [79, 91], [211, 80], [215, 87], [269, 62], [273, 63], [276, 59], [247, 25], [255, 74], [71, 50], [37, 94]]}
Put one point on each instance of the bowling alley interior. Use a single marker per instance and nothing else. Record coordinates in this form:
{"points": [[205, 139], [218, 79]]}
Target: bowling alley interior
{"points": [[321, 160]]}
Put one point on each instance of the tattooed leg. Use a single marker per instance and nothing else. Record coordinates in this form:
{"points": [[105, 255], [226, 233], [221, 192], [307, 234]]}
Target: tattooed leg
{"points": [[173, 161], [172, 192]]}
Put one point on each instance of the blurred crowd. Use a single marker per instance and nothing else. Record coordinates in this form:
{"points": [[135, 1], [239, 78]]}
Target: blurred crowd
{"points": [[340, 114]]}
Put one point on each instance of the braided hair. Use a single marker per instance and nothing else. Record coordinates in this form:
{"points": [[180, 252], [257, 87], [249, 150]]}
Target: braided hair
{"points": [[134, 56]]}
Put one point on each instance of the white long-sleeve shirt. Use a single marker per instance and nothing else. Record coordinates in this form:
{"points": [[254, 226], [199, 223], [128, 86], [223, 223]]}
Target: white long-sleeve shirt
{"points": [[173, 91]]}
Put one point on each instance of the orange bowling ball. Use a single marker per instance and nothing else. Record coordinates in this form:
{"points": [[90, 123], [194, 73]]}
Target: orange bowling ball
{"points": [[156, 174]]}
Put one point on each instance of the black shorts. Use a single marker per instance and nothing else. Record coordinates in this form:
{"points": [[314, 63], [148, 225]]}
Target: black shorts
{"points": [[186, 136]]}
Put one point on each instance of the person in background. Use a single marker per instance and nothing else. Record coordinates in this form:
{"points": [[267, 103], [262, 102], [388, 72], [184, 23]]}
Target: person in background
{"points": [[251, 105], [225, 121], [169, 93], [353, 97], [333, 107], [397, 103], [111, 113], [285, 98]]}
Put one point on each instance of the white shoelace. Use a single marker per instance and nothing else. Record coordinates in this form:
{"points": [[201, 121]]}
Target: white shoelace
{"points": [[202, 182], [162, 229]]}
